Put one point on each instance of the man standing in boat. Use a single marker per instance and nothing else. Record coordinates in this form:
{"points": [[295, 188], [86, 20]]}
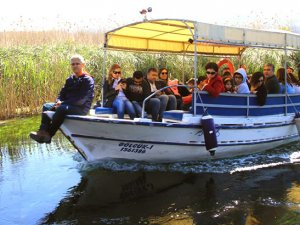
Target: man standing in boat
{"points": [[75, 98], [271, 82]]}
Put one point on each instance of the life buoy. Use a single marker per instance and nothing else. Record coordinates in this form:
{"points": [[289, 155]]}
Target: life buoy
{"points": [[228, 63]]}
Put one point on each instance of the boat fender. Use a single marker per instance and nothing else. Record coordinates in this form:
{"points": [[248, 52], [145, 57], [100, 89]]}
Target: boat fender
{"points": [[297, 121], [210, 137]]}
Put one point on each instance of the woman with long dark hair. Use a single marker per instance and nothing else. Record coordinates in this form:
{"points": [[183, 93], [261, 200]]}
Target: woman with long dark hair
{"points": [[258, 87], [280, 74], [172, 92]]}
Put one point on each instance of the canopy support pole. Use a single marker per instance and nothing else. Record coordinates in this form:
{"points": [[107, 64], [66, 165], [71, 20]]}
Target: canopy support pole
{"points": [[195, 72], [183, 59], [285, 74], [103, 73]]}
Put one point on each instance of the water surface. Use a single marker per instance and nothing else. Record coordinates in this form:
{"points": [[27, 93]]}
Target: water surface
{"points": [[52, 184]]}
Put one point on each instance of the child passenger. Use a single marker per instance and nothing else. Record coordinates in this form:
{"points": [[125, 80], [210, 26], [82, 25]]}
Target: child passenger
{"points": [[240, 79], [228, 85]]}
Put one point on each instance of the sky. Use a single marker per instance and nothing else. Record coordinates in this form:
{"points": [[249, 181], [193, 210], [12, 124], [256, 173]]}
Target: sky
{"points": [[98, 15]]}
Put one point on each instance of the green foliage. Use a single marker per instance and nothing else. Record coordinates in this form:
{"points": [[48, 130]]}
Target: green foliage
{"points": [[31, 75], [14, 140]]}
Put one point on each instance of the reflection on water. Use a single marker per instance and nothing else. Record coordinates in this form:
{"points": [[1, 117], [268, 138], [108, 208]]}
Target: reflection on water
{"points": [[51, 184], [108, 197], [293, 196], [33, 177]]}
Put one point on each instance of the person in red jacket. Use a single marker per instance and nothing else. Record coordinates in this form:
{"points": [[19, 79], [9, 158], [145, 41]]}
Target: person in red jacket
{"points": [[213, 83]]}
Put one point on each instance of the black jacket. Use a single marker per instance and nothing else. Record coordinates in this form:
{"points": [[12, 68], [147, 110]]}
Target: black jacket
{"points": [[261, 95], [272, 85], [147, 88], [78, 91], [109, 94], [135, 92]]}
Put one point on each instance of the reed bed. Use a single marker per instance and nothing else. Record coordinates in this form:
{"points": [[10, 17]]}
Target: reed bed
{"points": [[36, 38], [34, 65]]}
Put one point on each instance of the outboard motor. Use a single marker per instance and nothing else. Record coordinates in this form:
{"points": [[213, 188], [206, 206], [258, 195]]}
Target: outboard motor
{"points": [[209, 130], [297, 121]]}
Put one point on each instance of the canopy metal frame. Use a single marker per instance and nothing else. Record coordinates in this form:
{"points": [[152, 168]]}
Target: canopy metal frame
{"points": [[197, 42]]}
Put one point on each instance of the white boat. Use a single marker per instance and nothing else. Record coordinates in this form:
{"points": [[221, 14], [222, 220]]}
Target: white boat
{"points": [[241, 126]]}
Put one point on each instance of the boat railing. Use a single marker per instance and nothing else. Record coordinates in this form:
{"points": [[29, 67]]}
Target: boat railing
{"points": [[227, 104], [245, 104], [157, 91]]}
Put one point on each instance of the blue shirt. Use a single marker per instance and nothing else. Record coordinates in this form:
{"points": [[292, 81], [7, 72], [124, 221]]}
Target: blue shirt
{"points": [[290, 88]]}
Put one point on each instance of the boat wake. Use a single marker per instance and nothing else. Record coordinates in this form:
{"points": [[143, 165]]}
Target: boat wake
{"points": [[283, 155]]}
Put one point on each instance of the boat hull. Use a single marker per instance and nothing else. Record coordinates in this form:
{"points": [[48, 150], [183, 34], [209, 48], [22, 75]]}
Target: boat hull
{"points": [[99, 138]]}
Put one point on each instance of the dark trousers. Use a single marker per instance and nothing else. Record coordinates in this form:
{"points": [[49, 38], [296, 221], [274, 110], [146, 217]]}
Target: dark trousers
{"points": [[58, 118]]}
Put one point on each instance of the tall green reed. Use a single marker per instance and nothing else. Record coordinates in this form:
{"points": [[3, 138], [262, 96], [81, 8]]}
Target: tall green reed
{"points": [[33, 74]]}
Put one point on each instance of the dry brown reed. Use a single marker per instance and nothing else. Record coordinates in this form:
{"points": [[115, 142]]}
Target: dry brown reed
{"points": [[33, 38]]}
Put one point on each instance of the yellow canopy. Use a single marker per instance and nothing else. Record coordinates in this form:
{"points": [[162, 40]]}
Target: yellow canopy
{"points": [[173, 36], [177, 35]]}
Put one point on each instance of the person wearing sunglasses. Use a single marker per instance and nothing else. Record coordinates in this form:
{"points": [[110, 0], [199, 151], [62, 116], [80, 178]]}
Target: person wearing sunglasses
{"points": [[240, 79], [213, 83], [114, 91], [173, 92], [258, 87], [75, 98]]}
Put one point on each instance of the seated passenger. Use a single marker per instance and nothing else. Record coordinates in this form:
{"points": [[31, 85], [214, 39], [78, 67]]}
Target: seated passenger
{"points": [[159, 102], [226, 72], [135, 92], [173, 91], [290, 71], [294, 81], [258, 87], [228, 85], [187, 100], [114, 93], [298, 68], [75, 98], [191, 83], [284, 86], [213, 84], [271, 81], [240, 79]]}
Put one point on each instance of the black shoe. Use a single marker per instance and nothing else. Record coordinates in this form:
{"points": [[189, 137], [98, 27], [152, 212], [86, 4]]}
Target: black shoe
{"points": [[41, 136], [36, 137], [157, 120]]}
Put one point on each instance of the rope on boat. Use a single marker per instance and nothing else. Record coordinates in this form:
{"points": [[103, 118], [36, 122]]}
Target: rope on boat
{"points": [[296, 111], [205, 109]]}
